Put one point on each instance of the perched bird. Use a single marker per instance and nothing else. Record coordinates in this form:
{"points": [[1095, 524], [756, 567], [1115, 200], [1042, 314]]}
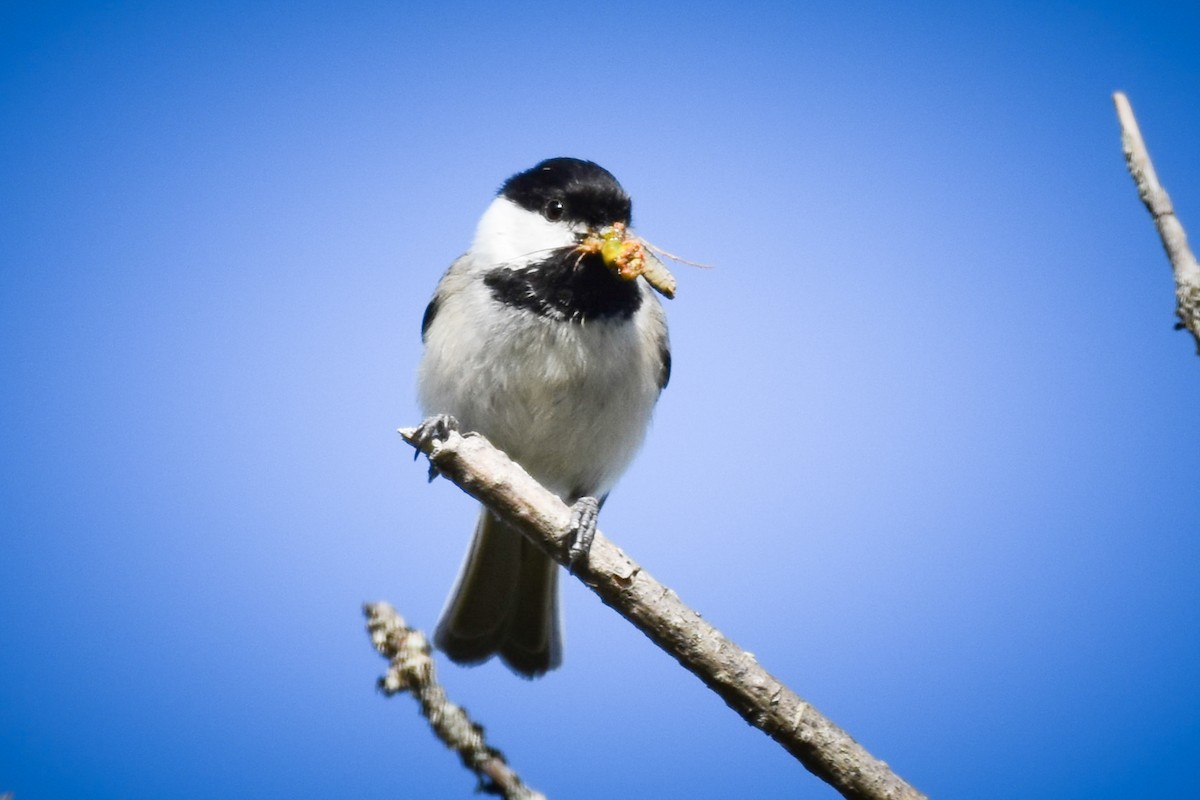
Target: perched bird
{"points": [[542, 338]]}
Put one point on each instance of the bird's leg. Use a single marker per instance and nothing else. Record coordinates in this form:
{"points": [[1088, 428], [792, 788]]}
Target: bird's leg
{"points": [[434, 429], [583, 529]]}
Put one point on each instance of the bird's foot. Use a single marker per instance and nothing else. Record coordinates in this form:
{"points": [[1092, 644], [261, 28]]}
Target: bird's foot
{"points": [[583, 529], [434, 429]]}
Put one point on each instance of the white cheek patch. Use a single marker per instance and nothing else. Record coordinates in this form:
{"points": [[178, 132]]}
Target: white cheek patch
{"points": [[509, 234]]}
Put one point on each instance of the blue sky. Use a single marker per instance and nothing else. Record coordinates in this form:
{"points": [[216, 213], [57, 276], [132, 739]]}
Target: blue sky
{"points": [[929, 447]]}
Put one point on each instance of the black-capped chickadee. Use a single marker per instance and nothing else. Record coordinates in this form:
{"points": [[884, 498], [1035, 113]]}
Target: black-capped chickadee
{"points": [[542, 338]]}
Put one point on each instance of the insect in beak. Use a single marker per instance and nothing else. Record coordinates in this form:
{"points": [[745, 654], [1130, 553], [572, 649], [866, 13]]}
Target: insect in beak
{"points": [[628, 256]]}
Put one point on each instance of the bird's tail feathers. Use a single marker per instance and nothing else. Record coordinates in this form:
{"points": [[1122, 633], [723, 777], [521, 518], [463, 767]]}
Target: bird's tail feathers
{"points": [[505, 602]]}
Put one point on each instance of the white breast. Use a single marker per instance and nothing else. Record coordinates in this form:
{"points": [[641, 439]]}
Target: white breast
{"points": [[570, 402]]}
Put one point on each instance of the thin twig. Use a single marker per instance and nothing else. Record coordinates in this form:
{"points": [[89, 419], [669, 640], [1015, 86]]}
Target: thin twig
{"points": [[411, 669], [822, 747], [1170, 229]]}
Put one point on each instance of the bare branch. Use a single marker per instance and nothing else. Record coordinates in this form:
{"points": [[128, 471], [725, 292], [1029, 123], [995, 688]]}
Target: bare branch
{"points": [[822, 747], [1170, 230], [411, 669]]}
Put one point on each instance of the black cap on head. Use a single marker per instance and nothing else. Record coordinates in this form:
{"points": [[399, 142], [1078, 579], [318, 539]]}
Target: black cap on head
{"points": [[570, 189]]}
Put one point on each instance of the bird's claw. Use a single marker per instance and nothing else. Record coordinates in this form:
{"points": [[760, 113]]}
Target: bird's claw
{"points": [[583, 529], [434, 429]]}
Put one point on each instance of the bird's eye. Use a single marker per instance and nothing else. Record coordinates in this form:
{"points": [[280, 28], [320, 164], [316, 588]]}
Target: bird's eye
{"points": [[553, 210]]}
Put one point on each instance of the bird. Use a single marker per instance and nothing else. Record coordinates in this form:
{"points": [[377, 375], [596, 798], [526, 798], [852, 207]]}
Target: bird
{"points": [[547, 338]]}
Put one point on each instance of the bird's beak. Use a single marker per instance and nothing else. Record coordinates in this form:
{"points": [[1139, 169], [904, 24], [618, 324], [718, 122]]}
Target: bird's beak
{"points": [[618, 249]]}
